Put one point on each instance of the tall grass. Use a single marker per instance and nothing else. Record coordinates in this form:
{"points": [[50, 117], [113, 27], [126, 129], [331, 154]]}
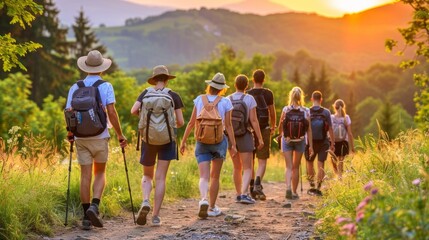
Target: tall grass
{"points": [[33, 184], [383, 193]]}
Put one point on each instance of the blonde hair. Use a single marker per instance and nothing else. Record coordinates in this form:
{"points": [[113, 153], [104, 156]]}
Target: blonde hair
{"points": [[214, 91], [296, 96], [340, 107]]}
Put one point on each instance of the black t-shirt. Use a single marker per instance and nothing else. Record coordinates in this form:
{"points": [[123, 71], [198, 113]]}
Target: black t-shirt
{"points": [[267, 93], [178, 103]]}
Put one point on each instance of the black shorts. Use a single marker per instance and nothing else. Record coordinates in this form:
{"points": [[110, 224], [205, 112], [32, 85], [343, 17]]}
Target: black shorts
{"points": [[341, 148], [319, 149]]}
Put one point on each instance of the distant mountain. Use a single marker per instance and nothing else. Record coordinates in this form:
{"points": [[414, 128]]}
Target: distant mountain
{"points": [[262, 7], [107, 12], [352, 42]]}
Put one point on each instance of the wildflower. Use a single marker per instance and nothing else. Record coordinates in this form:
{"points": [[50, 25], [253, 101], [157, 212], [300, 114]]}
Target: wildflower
{"points": [[368, 186], [416, 181], [374, 191], [340, 220], [363, 203], [349, 229], [372, 171], [359, 216], [319, 222]]}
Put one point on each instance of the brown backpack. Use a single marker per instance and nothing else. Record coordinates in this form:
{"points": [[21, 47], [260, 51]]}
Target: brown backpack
{"points": [[209, 126]]}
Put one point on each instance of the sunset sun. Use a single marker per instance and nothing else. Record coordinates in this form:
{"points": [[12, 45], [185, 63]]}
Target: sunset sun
{"points": [[353, 6]]}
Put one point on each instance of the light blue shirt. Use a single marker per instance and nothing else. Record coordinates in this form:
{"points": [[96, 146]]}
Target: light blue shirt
{"points": [[107, 97], [223, 106]]}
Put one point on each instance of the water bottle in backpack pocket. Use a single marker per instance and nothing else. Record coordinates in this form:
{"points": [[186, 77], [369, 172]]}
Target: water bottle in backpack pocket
{"points": [[295, 125]]}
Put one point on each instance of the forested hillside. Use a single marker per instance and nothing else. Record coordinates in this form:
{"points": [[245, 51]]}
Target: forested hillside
{"points": [[353, 42]]}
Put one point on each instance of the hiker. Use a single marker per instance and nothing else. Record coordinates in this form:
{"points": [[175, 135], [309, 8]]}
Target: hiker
{"points": [[244, 111], [160, 111], [211, 115], [342, 128], [321, 125], [266, 113], [294, 126], [92, 146]]}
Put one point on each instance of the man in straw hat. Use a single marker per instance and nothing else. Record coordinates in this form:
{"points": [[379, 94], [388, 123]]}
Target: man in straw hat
{"points": [[152, 146], [92, 152]]}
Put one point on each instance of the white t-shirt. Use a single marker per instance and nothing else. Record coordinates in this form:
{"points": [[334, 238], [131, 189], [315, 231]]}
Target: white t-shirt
{"points": [[223, 106], [248, 99], [347, 122]]}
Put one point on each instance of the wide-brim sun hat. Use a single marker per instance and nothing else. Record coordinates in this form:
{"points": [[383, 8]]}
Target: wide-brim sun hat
{"points": [[159, 70], [218, 81], [93, 62]]}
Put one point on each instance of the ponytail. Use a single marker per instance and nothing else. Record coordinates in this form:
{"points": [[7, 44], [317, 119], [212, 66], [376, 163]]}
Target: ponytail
{"points": [[296, 96], [340, 107]]}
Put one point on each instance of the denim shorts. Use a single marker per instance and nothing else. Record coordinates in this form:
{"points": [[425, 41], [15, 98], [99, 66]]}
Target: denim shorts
{"points": [[293, 146], [208, 152]]}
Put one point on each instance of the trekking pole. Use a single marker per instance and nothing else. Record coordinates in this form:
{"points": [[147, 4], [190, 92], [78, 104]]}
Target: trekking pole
{"points": [[68, 184], [129, 188], [300, 173]]}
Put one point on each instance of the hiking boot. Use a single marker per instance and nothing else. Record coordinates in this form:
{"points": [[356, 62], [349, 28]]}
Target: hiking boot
{"points": [[86, 224], [312, 191], [288, 194], [259, 193], [295, 196], [254, 194], [246, 199], [203, 207], [156, 221], [238, 199], [214, 212], [92, 214], [144, 210]]}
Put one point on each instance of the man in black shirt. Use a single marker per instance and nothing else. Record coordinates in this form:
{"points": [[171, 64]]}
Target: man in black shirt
{"points": [[266, 112]]}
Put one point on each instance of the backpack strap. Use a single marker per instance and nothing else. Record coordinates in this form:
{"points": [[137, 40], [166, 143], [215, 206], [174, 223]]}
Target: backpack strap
{"points": [[206, 102], [242, 97], [98, 83], [80, 84]]}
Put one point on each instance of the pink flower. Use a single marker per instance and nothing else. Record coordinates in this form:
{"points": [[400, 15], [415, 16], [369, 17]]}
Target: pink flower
{"points": [[340, 220], [368, 186], [416, 181], [359, 216], [349, 229], [374, 191], [363, 203]]}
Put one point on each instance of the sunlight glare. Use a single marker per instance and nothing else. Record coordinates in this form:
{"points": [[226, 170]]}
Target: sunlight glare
{"points": [[353, 6]]}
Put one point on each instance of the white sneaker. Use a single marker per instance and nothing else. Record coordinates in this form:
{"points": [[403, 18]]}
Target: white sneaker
{"points": [[203, 207], [214, 212]]}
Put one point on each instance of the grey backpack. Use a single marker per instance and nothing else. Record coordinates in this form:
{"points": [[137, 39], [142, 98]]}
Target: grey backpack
{"points": [[157, 118], [88, 117], [239, 116]]}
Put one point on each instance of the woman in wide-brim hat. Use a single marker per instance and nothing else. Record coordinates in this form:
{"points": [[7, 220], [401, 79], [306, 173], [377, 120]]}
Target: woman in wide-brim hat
{"points": [[211, 153]]}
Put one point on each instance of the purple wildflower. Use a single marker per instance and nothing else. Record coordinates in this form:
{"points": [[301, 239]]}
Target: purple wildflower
{"points": [[359, 216], [368, 186], [363, 203], [374, 191], [416, 181], [349, 229]]}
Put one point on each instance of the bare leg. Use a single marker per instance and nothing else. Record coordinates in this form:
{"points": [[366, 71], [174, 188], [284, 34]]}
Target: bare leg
{"points": [[147, 181], [204, 169], [99, 179], [214, 180], [247, 161], [288, 171], [295, 170], [85, 183], [160, 176], [237, 172]]}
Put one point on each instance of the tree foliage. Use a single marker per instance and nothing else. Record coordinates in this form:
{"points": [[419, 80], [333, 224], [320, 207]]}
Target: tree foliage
{"points": [[22, 13], [416, 36]]}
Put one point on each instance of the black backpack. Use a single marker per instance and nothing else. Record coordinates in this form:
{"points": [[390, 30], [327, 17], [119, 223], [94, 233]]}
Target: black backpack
{"points": [[319, 124], [261, 108], [295, 125], [88, 117], [239, 116]]}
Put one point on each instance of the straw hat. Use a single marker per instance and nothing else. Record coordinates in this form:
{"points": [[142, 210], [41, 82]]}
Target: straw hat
{"points": [[159, 70], [94, 62], [218, 81]]}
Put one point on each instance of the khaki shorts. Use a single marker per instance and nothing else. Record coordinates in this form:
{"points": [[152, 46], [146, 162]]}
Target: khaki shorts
{"points": [[96, 150], [264, 153]]}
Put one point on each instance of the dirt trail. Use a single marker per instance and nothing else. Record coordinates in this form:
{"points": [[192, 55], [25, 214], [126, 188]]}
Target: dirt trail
{"points": [[268, 219]]}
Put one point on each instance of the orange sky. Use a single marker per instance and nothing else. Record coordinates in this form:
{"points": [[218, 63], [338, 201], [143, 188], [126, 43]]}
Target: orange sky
{"points": [[332, 8]]}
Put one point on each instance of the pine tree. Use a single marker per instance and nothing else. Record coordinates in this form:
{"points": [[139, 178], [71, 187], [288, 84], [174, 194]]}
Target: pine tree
{"points": [[311, 85], [386, 120], [86, 40], [324, 85], [296, 79]]}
